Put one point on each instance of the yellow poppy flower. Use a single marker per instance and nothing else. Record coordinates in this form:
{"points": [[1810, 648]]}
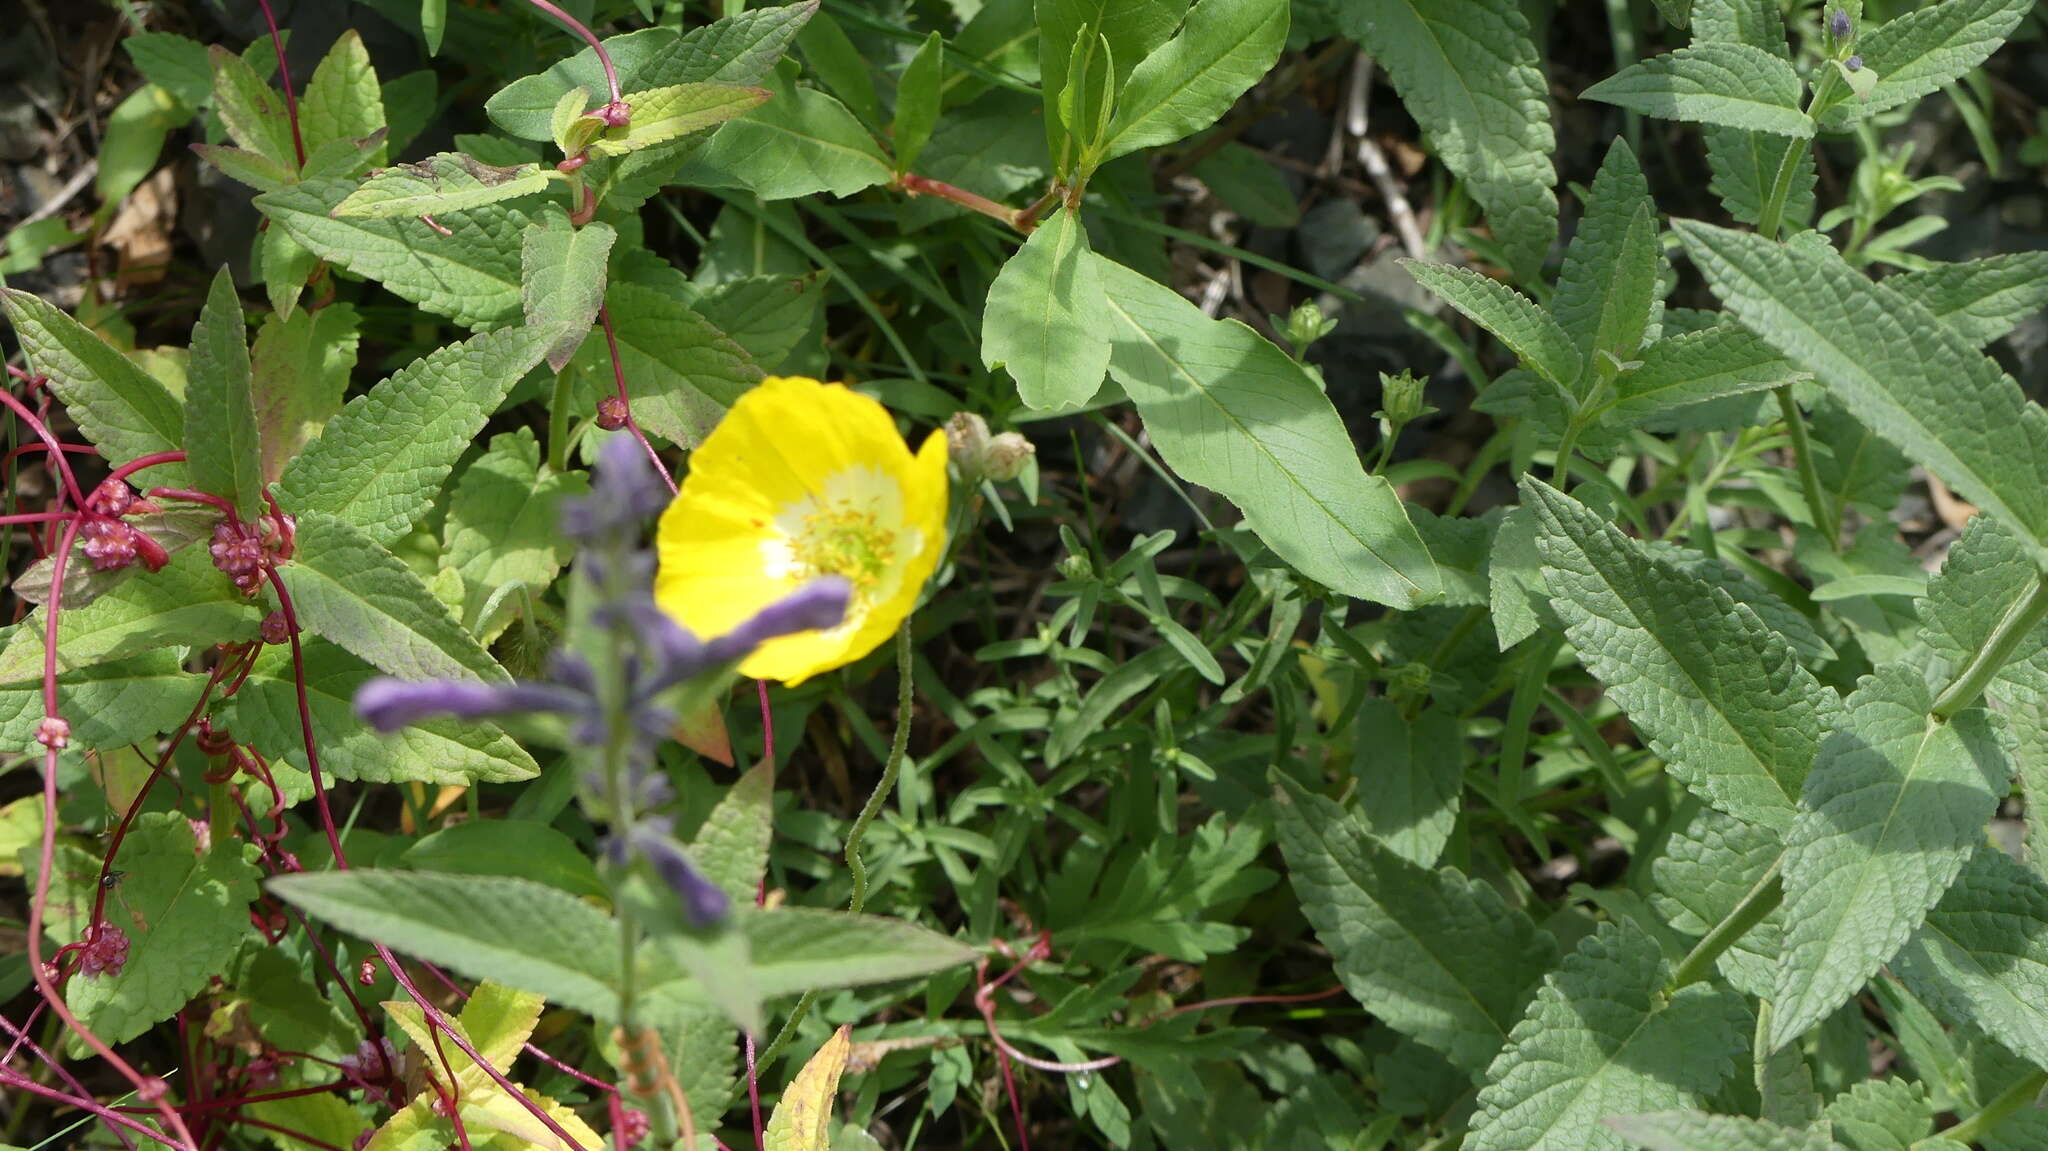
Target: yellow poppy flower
{"points": [[802, 480]]}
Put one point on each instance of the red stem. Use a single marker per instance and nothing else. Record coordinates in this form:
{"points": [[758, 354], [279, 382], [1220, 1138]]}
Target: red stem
{"points": [[296, 1136], [14, 1079], [611, 75], [148, 461], [611, 341], [62, 1072], [50, 445], [284, 74], [754, 1097]]}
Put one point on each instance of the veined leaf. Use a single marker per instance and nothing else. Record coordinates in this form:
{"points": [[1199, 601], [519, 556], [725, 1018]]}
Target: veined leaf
{"points": [[731, 849], [1981, 299], [300, 366], [1695, 1131], [1525, 328], [1045, 320], [1437, 956], [1706, 871], [1918, 52], [379, 462], [1981, 959], [562, 270], [1746, 164], [800, 142], [1132, 28], [681, 372], [251, 110], [343, 101], [1712, 82], [1900, 370], [767, 316], [1881, 1114], [220, 404], [1410, 775], [1719, 696], [515, 847], [1469, 72], [663, 114], [187, 604], [1608, 288], [350, 590], [118, 406], [802, 1120], [1232, 412], [471, 275], [1185, 84], [1895, 802], [1603, 1039], [175, 63], [443, 182], [503, 524], [1696, 367], [109, 704]]}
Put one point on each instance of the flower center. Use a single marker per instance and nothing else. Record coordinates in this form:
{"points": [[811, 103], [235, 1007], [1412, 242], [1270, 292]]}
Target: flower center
{"points": [[844, 539]]}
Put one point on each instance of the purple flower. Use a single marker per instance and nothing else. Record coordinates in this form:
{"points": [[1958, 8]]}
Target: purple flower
{"points": [[816, 605], [624, 494], [388, 704], [704, 904], [1839, 25]]}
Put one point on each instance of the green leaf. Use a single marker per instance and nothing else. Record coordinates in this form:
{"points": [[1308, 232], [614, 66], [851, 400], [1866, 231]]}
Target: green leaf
{"points": [[185, 913], [188, 603], [1468, 70], [440, 751], [251, 109], [1434, 955], [1187, 83], [118, 406], [1895, 802], [433, 24], [512, 847], [1717, 694], [175, 63], [1901, 371], [1745, 164], [797, 949], [300, 367], [108, 704], [1712, 82], [800, 142], [350, 590], [471, 275], [243, 166], [1695, 368], [1043, 320], [1250, 185], [1603, 1039], [343, 102], [1230, 411], [1882, 1115], [326, 1117], [220, 404], [731, 848], [378, 464], [562, 271], [1981, 959], [918, 97], [681, 372], [294, 1014], [284, 265], [1526, 329], [1981, 299], [513, 931], [133, 140], [1693, 1131], [1918, 52], [1132, 29], [736, 50], [1410, 775], [663, 114], [767, 316], [503, 524], [1607, 290], [1705, 872], [443, 182]]}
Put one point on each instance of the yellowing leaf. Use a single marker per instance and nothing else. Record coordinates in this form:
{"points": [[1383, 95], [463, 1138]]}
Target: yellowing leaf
{"points": [[803, 1118]]}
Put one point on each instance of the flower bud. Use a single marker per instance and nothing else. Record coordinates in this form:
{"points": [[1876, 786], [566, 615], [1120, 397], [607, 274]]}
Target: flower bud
{"points": [[1853, 63], [1401, 398], [611, 413], [1839, 25], [112, 498], [276, 629], [977, 455], [1006, 456], [617, 114], [53, 733], [966, 440]]}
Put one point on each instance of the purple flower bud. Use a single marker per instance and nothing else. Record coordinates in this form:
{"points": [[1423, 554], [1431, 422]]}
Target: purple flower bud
{"points": [[1839, 25], [389, 704], [703, 903], [817, 605], [625, 493], [1853, 63]]}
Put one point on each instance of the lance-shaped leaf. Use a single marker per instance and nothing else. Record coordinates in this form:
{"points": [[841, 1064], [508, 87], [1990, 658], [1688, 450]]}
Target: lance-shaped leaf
{"points": [[1437, 956], [1706, 871], [220, 404], [245, 167], [301, 365], [681, 372], [1607, 290], [118, 406], [1132, 29], [1697, 1131], [379, 462], [1908, 376], [1045, 318], [343, 100], [1185, 84], [1695, 368], [1603, 1039], [1410, 774], [187, 604], [1715, 692], [1894, 804], [1714, 82], [347, 588], [1470, 72], [1981, 299], [800, 142], [470, 275], [562, 270], [1230, 411], [251, 109], [1516, 320], [731, 849], [1981, 959], [503, 525], [1745, 164], [443, 182], [1918, 52], [663, 114]]}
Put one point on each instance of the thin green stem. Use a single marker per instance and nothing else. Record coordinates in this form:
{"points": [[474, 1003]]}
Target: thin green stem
{"points": [[898, 746], [2020, 620], [1560, 472], [1809, 467], [1973, 1127], [1772, 215], [558, 424], [1762, 899]]}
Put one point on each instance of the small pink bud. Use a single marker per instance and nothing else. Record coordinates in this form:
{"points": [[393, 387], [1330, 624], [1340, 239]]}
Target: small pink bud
{"points": [[633, 1127], [617, 114], [105, 951], [109, 543], [151, 1089], [54, 733], [275, 629], [611, 413], [112, 498], [367, 973], [202, 835]]}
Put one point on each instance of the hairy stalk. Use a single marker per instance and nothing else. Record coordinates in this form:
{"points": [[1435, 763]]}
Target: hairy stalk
{"points": [[2019, 622], [1761, 901], [898, 746], [913, 185], [1809, 467]]}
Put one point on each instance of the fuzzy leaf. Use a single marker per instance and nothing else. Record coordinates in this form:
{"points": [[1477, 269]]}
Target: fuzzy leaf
{"points": [[664, 114], [803, 1118], [1918, 52], [1187, 83], [1895, 802], [1232, 412], [1695, 368], [1744, 164], [503, 524], [343, 102], [1044, 317], [681, 372], [443, 182], [251, 109], [1713, 82], [1882, 1115], [731, 849], [1601, 1040], [188, 603], [350, 590], [118, 406], [767, 316], [800, 142], [562, 280], [1526, 329], [1981, 299], [1410, 775], [1705, 872], [1694, 1131], [1607, 290], [301, 366], [379, 463], [220, 404], [1436, 956], [1981, 958], [109, 704]]}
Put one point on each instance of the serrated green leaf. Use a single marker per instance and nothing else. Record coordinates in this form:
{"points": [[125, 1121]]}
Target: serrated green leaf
{"points": [[1608, 288], [1695, 1131], [1712, 82], [443, 182], [797, 949], [664, 114], [350, 590], [1719, 696], [133, 139], [736, 50], [1745, 164], [767, 316], [731, 849], [301, 366], [378, 464], [800, 142], [118, 406], [503, 524], [1981, 299], [246, 167], [220, 404], [1526, 329], [1916, 53], [1602, 1039], [326, 1117], [1436, 956], [1410, 774], [1703, 875], [266, 716], [1981, 959], [471, 275], [562, 273], [177, 64], [1469, 71], [108, 704], [681, 372], [1855, 466], [1900, 370], [185, 913], [284, 265], [294, 1014], [251, 109], [1695, 368], [188, 603], [1044, 320], [343, 102], [1187, 83], [1881, 1115], [1894, 804], [1230, 411], [918, 96]]}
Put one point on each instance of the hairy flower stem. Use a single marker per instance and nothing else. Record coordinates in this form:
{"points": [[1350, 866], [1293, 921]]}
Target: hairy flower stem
{"points": [[1762, 899], [1809, 468], [611, 74], [2019, 622], [1971, 1128], [898, 746]]}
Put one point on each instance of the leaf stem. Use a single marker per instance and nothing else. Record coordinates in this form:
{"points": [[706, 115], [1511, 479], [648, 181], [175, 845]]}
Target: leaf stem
{"points": [[2019, 622], [1762, 899], [913, 185], [1809, 467], [611, 343], [2010, 1100]]}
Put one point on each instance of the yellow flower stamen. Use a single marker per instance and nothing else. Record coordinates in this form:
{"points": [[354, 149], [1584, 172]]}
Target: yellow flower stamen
{"points": [[845, 540]]}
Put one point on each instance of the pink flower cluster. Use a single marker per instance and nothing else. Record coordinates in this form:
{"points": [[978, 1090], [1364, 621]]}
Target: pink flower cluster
{"points": [[109, 540], [105, 951]]}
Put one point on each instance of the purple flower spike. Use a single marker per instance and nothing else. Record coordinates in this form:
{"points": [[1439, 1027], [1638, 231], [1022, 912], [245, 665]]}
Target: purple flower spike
{"points": [[703, 903], [625, 492], [815, 606], [1839, 25], [389, 704]]}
